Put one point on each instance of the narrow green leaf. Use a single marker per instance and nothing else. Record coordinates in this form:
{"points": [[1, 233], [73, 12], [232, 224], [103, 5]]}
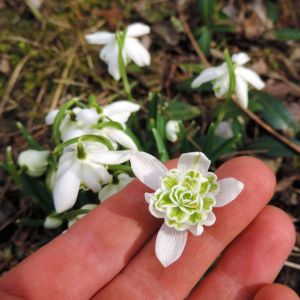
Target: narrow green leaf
{"points": [[287, 34], [183, 111], [231, 73], [161, 147], [32, 143], [204, 41], [206, 10]]}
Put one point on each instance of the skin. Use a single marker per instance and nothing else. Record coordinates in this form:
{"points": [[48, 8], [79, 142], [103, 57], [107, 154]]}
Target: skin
{"points": [[109, 254]]}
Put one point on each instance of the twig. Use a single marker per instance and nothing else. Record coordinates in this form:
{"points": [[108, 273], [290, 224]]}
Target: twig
{"points": [[13, 79], [292, 265], [267, 127], [64, 75], [193, 41]]}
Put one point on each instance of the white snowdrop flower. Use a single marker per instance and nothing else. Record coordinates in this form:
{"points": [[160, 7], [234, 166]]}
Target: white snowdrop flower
{"points": [[221, 78], [35, 162], [172, 130], [83, 164], [52, 222], [81, 121], [132, 50], [184, 197], [224, 129], [114, 188], [87, 207]]}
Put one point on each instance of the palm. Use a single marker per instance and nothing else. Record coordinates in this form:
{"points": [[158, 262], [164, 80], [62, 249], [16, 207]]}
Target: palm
{"points": [[110, 253]]}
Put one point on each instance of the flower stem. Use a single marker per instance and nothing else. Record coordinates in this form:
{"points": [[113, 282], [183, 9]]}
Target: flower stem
{"points": [[121, 40]]}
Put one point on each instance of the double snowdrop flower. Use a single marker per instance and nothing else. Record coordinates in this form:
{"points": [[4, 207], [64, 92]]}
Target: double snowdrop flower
{"points": [[132, 49], [82, 121], [184, 197], [83, 164], [221, 77], [35, 162]]}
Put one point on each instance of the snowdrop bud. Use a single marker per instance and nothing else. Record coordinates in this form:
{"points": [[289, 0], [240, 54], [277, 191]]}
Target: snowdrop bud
{"points": [[34, 161], [224, 129], [52, 222], [172, 130]]}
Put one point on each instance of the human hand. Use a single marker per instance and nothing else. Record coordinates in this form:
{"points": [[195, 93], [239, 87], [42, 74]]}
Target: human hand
{"points": [[109, 254]]}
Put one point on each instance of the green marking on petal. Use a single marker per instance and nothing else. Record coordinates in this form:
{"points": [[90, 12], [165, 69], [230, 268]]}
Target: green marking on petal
{"points": [[169, 182], [177, 214], [204, 188], [208, 203], [196, 218]]}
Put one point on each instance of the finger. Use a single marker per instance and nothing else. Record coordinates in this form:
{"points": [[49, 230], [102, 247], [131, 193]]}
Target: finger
{"points": [[253, 259], [275, 292], [91, 253], [146, 277]]}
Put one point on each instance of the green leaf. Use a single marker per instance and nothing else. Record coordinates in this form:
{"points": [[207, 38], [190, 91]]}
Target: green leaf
{"points": [[274, 112], [226, 147], [66, 216], [271, 147], [59, 117], [32, 143], [206, 9], [181, 111], [205, 41], [161, 147], [85, 138], [11, 167], [287, 34], [272, 11]]}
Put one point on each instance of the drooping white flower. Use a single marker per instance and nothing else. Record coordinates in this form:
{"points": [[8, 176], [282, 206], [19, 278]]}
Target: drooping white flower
{"points": [[35, 162], [132, 50], [114, 188], [83, 164], [224, 129], [87, 207], [172, 130], [220, 76], [184, 197], [81, 121]]}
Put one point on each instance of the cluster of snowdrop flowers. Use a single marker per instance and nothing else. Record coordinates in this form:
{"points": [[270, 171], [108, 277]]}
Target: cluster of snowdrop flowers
{"points": [[184, 197], [91, 136], [132, 48], [221, 78]]}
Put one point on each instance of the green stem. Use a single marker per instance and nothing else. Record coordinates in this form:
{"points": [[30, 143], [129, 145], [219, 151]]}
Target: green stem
{"points": [[121, 39]]}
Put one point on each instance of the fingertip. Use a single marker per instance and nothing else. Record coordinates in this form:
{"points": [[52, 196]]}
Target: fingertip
{"points": [[281, 225], [275, 292], [254, 173]]}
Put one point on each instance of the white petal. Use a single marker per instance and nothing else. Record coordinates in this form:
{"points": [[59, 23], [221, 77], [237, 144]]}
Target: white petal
{"points": [[120, 137], [147, 169], [108, 191], [241, 90], [137, 52], [137, 29], [73, 133], [120, 111], [110, 157], [230, 188], [210, 220], [194, 160], [169, 244], [172, 130], [251, 77], [106, 51], [50, 117], [224, 129], [65, 191], [196, 229], [88, 116], [148, 196], [221, 85], [113, 63], [100, 37], [210, 74], [240, 58], [91, 178]]}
